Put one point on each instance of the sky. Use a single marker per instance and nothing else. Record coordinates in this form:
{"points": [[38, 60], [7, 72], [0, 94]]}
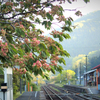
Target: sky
{"points": [[91, 6]]}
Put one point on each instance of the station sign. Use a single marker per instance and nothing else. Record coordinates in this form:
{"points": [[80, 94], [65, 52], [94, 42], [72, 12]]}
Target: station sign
{"points": [[4, 87]]}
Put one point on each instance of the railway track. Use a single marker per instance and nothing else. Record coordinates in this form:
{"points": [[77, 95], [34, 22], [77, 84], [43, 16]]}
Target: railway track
{"points": [[64, 94], [54, 95]]}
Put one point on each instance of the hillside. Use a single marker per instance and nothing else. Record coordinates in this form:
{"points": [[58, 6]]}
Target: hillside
{"points": [[86, 36]]}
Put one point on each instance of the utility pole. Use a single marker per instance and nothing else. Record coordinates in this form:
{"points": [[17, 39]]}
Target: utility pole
{"points": [[86, 69], [76, 73], [80, 73]]}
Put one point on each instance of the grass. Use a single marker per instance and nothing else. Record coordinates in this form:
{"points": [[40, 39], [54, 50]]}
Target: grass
{"points": [[55, 89], [17, 95]]}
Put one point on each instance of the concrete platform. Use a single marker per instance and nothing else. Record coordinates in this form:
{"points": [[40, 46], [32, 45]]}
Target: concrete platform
{"points": [[34, 95], [42, 96], [92, 90]]}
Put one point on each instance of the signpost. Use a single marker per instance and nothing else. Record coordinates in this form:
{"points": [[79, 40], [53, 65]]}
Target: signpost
{"points": [[4, 89]]}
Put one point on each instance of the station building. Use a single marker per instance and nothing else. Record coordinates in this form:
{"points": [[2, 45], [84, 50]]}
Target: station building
{"points": [[93, 77]]}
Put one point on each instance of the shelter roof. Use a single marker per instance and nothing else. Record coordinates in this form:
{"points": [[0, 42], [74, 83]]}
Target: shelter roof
{"points": [[96, 67], [90, 71]]}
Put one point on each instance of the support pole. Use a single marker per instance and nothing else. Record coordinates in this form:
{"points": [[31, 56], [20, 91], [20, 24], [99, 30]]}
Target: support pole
{"points": [[4, 95], [80, 73], [86, 69]]}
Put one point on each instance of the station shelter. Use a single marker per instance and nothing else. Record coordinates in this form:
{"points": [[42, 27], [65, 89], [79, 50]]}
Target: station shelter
{"points": [[91, 78], [97, 76]]}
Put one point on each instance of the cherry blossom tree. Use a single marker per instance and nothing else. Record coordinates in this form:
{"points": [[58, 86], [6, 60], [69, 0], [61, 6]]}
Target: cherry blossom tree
{"points": [[24, 44]]}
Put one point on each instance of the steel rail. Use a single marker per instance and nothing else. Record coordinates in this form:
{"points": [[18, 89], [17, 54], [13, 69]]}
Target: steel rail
{"points": [[54, 93], [47, 93]]}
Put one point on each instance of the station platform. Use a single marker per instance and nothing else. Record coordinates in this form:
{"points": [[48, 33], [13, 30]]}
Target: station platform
{"points": [[34, 95], [92, 89]]}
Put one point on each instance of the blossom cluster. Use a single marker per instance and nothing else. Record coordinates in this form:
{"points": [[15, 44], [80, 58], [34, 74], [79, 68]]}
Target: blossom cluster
{"points": [[55, 58], [35, 42], [21, 26], [38, 64], [61, 18], [53, 63], [56, 32], [20, 62], [49, 40], [26, 40], [3, 32], [19, 71], [4, 48], [41, 63], [28, 55], [46, 66]]}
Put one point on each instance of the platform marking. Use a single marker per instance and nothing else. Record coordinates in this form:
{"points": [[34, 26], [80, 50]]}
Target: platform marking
{"points": [[36, 94], [90, 90]]}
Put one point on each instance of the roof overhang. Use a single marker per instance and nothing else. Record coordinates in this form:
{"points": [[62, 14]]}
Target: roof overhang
{"points": [[90, 71]]}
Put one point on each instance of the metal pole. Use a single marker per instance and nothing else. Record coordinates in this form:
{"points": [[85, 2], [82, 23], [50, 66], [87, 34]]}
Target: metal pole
{"points": [[3, 95], [25, 83], [86, 69], [80, 73]]}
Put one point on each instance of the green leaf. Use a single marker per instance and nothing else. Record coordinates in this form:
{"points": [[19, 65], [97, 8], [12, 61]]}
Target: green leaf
{"points": [[38, 30], [66, 36], [1, 71], [37, 20], [67, 29], [42, 46], [46, 76], [52, 70], [61, 60], [14, 51], [68, 22], [43, 54], [59, 45], [86, 1], [9, 38], [69, 1], [21, 52], [44, 23], [49, 23], [52, 49], [60, 38], [49, 16], [20, 32], [64, 53]]}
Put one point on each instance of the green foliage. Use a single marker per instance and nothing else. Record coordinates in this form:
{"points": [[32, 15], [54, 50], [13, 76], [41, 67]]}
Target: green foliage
{"points": [[34, 86], [20, 32], [53, 49], [42, 46], [86, 1], [49, 16], [1, 70], [61, 60], [25, 43], [15, 88]]}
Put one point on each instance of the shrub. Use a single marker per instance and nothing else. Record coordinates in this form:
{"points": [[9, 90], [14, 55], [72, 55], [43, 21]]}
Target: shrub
{"points": [[34, 86], [15, 88]]}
